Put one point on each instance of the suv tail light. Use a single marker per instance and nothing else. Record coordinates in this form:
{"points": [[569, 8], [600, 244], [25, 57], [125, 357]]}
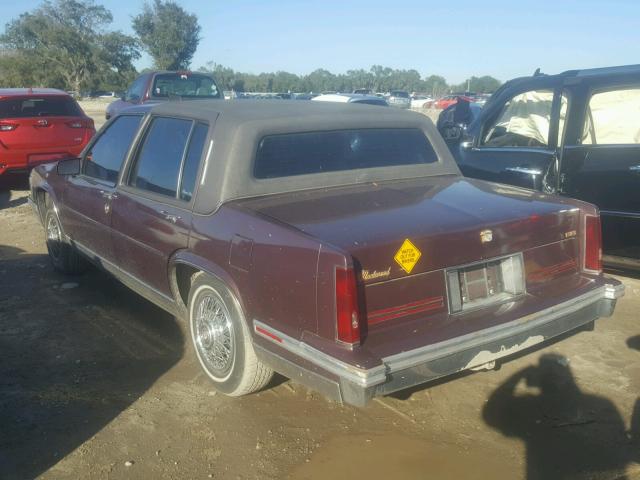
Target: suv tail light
{"points": [[7, 126], [592, 244], [347, 311]]}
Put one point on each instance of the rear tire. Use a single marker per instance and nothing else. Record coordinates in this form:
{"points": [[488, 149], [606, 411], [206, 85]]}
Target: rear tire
{"points": [[221, 338], [64, 257]]}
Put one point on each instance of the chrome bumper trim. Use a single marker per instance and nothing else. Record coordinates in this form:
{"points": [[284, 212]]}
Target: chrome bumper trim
{"points": [[395, 363], [359, 376], [613, 291]]}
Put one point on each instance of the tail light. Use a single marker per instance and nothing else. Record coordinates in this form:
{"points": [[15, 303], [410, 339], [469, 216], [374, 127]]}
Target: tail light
{"points": [[592, 244], [86, 123], [347, 311], [7, 126]]}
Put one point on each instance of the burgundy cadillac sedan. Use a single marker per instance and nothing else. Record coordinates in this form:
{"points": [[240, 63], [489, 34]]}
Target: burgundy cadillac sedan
{"points": [[336, 244]]}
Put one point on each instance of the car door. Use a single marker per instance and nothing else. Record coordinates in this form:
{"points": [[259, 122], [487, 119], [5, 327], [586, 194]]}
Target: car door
{"points": [[516, 141], [151, 216], [601, 164], [86, 215]]}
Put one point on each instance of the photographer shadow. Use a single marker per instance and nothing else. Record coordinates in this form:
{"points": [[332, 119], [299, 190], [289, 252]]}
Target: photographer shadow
{"points": [[567, 433]]}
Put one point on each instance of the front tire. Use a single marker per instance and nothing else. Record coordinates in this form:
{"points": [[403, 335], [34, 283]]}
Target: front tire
{"points": [[221, 339], [64, 257]]}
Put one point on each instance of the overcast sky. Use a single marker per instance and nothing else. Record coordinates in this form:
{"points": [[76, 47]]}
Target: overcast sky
{"points": [[504, 38]]}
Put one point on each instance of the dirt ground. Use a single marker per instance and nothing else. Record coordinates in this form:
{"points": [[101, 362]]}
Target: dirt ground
{"points": [[93, 385]]}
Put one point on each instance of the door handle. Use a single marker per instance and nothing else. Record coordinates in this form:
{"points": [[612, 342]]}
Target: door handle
{"points": [[171, 218], [108, 195], [635, 168]]}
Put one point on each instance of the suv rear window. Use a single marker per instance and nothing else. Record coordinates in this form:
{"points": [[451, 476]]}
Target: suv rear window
{"points": [[39, 107], [184, 85], [320, 152]]}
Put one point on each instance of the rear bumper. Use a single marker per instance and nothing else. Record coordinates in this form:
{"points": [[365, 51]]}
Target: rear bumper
{"points": [[479, 350], [21, 161]]}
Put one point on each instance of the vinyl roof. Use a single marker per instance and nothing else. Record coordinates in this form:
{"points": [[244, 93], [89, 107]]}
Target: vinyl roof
{"points": [[243, 111], [239, 126]]}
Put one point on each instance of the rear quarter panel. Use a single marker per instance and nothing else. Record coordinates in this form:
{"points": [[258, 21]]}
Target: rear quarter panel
{"points": [[270, 267]]}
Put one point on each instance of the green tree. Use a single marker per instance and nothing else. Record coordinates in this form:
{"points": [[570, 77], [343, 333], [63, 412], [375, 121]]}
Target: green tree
{"points": [[485, 84], [68, 45], [435, 85], [168, 33]]}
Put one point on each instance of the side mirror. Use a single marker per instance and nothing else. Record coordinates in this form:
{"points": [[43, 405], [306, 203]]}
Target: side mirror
{"points": [[69, 166]]}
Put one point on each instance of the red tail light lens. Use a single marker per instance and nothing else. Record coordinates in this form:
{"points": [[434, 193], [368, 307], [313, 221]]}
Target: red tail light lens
{"points": [[347, 311], [592, 244], [7, 127]]}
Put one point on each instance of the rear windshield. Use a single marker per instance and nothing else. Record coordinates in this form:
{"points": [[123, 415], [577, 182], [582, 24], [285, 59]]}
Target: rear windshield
{"points": [[398, 93], [319, 152], [184, 85], [39, 107]]}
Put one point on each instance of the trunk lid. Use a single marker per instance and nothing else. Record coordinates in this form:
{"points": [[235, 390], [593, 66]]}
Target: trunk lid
{"points": [[401, 229]]}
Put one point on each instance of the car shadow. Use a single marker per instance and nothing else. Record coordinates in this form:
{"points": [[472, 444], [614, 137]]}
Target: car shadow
{"points": [[567, 433], [634, 342], [9, 183], [634, 429], [76, 352]]}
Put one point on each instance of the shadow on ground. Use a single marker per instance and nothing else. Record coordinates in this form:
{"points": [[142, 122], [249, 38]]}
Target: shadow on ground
{"points": [[567, 433], [74, 356], [9, 183]]}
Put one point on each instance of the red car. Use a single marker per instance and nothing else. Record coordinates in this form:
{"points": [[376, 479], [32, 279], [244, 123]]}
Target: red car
{"points": [[449, 100], [40, 125]]}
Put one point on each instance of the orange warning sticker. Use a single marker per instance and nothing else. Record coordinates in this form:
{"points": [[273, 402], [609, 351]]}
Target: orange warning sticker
{"points": [[407, 256]]}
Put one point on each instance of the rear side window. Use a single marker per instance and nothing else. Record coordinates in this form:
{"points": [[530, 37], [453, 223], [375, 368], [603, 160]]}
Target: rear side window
{"points": [[319, 152], [192, 161], [107, 154], [184, 85], [39, 107], [157, 167], [613, 118]]}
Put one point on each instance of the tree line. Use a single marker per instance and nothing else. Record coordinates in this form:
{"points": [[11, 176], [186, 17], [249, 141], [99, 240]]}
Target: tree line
{"points": [[377, 78], [69, 44]]}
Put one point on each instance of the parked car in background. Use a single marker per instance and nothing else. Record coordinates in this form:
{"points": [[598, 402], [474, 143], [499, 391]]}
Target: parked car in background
{"points": [[304, 96], [448, 100], [421, 101], [351, 98], [160, 86], [369, 267], [399, 99], [577, 134], [40, 125], [481, 98], [363, 91]]}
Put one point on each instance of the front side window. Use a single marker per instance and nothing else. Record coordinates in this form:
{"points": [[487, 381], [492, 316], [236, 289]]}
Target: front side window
{"points": [[107, 154], [523, 122], [136, 91], [613, 118], [157, 167], [320, 152]]}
